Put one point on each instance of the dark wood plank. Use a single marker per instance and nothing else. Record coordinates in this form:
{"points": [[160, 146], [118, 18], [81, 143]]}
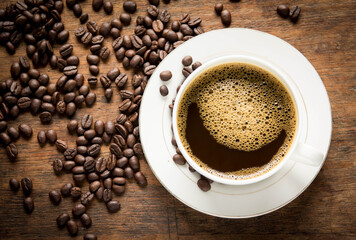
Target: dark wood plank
{"points": [[325, 34]]}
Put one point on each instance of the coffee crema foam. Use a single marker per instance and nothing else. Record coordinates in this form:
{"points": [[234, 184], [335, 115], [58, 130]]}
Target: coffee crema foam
{"points": [[243, 107]]}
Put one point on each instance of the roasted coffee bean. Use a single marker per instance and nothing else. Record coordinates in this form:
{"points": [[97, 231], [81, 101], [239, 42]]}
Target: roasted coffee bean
{"points": [[77, 10], [94, 70], [157, 26], [90, 98], [131, 140], [41, 137], [80, 159], [97, 4], [113, 206], [107, 183], [66, 50], [117, 43], [70, 153], [140, 179], [113, 74], [105, 81], [283, 10], [121, 119], [109, 127], [108, 94], [196, 65], [86, 38], [72, 227], [99, 193], [104, 53], [115, 149], [121, 80], [121, 129], [129, 174], [25, 130], [81, 141], [72, 125], [5, 138], [204, 184], [87, 121], [104, 30], [94, 150], [294, 13], [130, 6], [86, 220], [89, 165], [125, 19], [218, 8], [119, 140], [28, 204], [92, 27], [122, 162], [11, 151], [86, 198], [71, 108], [98, 39], [68, 165], [165, 16], [14, 184], [108, 7], [94, 186], [24, 103], [226, 17], [90, 236], [107, 195], [93, 59], [51, 136], [195, 22], [92, 80], [26, 185], [24, 64], [83, 18], [62, 219], [152, 11], [61, 64], [57, 165], [55, 197], [106, 138], [111, 162], [149, 70], [179, 159], [62, 36], [187, 71], [163, 90], [133, 162], [70, 70], [186, 30], [99, 127], [15, 70], [187, 60], [76, 192], [73, 61], [80, 32]]}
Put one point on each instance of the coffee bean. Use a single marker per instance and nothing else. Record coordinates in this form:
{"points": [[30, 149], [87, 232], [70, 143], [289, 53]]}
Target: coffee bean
{"points": [[187, 60], [283, 10], [125, 19], [115, 149], [86, 220], [226, 17], [70, 70], [92, 27], [140, 179], [51, 136], [105, 81], [218, 8], [72, 125], [179, 159], [294, 13], [80, 32], [86, 38], [72, 227], [73, 61], [186, 30], [25, 130], [94, 150], [55, 197], [108, 7], [97, 4], [76, 192], [196, 65], [107, 195], [87, 121], [77, 10], [149, 70], [157, 26], [70, 153], [90, 236], [68, 165], [66, 50], [5, 138], [28, 204], [204, 185], [62, 219], [41, 137], [26, 185], [130, 6], [90, 98], [65, 189], [163, 90], [152, 11], [86, 198], [14, 184], [83, 18], [57, 166], [187, 71], [63, 36], [113, 206]]}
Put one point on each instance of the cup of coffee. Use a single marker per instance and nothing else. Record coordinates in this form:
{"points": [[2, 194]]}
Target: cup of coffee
{"points": [[236, 120]]}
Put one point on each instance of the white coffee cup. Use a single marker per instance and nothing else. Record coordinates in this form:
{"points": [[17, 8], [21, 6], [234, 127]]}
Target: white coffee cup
{"points": [[299, 151]]}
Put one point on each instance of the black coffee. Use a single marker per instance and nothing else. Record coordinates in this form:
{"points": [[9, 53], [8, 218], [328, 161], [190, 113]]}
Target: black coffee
{"points": [[236, 120]]}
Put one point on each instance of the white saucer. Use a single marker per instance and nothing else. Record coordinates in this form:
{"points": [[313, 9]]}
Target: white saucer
{"points": [[223, 200]]}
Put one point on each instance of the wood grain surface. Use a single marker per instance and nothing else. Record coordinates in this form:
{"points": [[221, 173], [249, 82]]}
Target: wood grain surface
{"points": [[325, 34]]}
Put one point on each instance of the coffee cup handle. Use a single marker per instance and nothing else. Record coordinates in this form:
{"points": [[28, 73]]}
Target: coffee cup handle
{"points": [[308, 155]]}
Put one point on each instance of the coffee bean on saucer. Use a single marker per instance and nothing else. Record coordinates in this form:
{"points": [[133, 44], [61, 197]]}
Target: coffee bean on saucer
{"points": [[26, 185], [294, 13], [90, 236], [55, 197], [28, 204], [187, 60], [196, 65], [179, 159], [204, 184], [14, 184], [226, 17], [283, 10], [163, 90], [166, 75], [62, 219], [187, 71]]}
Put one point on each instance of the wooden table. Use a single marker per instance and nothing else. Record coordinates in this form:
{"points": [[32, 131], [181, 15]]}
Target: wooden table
{"points": [[325, 34]]}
